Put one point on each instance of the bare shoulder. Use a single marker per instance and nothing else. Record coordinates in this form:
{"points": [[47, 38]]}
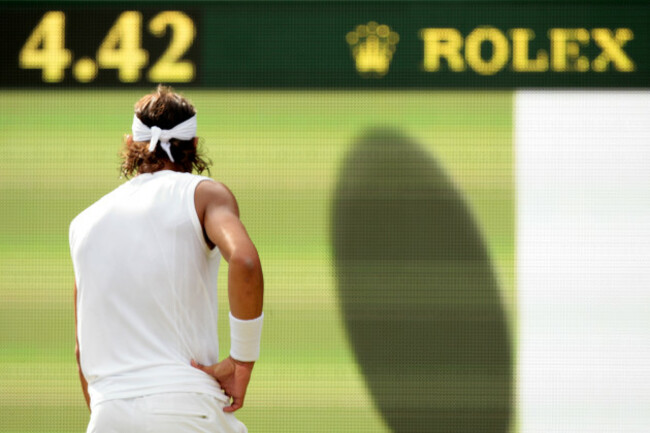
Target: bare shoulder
{"points": [[214, 195]]}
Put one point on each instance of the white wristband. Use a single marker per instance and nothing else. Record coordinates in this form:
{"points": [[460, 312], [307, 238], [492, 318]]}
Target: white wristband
{"points": [[245, 337]]}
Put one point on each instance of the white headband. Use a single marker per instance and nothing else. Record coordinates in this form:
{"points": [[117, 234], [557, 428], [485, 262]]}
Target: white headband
{"points": [[183, 131]]}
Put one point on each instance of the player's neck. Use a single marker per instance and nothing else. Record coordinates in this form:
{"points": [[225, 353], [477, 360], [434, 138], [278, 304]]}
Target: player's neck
{"points": [[167, 165]]}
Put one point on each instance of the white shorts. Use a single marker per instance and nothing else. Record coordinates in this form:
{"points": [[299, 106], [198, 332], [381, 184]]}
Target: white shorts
{"points": [[164, 413]]}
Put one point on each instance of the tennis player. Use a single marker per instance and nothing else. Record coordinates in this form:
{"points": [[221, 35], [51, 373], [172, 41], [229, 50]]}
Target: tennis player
{"points": [[146, 258]]}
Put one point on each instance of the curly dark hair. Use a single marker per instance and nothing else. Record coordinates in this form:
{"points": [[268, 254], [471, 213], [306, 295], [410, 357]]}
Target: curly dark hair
{"points": [[165, 109]]}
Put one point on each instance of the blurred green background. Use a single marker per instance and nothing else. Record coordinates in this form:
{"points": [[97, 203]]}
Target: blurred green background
{"points": [[281, 153]]}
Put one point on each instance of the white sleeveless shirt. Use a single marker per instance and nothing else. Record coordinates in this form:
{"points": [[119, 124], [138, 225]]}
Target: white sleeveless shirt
{"points": [[146, 290]]}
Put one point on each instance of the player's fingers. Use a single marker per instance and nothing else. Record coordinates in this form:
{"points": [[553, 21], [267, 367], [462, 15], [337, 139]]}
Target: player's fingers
{"points": [[201, 367], [237, 404], [196, 365]]}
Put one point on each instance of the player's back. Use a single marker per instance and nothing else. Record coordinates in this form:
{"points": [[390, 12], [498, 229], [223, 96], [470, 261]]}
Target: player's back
{"points": [[146, 283]]}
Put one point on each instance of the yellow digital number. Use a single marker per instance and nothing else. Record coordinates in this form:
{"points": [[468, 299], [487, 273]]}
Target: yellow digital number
{"points": [[45, 48], [169, 68], [121, 49]]}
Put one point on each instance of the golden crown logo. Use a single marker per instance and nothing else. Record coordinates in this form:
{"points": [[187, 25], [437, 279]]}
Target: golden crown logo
{"points": [[372, 47]]}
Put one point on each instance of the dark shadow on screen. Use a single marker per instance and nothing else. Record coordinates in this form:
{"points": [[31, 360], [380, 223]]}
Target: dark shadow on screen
{"points": [[420, 300]]}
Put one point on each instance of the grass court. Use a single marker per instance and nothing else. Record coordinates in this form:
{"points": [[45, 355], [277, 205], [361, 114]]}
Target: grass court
{"points": [[280, 152]]}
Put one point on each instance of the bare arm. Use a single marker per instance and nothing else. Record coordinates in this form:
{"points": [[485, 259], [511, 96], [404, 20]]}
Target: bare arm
{"points": [[220, 220], [219, 215], [84, 384]]}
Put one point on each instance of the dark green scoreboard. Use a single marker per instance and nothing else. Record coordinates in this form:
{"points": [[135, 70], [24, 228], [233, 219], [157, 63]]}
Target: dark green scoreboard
{"points": [[313, 44]]}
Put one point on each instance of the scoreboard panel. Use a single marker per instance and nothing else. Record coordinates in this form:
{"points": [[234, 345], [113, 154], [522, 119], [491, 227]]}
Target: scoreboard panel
{"points": [[356, 44]]}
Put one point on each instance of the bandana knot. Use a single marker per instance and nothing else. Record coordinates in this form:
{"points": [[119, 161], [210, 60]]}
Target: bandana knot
{"points": [[183, 131]]}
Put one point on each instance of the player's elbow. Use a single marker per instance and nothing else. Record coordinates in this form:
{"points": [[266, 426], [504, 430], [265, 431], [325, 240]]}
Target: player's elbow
{"points": [[245, 284], [247, 263]]}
